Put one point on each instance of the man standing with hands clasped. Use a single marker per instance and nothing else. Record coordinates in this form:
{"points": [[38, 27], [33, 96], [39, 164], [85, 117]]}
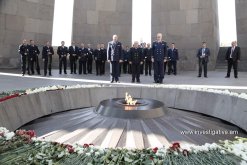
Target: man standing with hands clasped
{"points": [[114, 56], [233, 58], [203, 54]]}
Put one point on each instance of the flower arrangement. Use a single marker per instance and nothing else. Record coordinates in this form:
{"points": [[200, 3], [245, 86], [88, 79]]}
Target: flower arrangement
{"points": [[22, 147]]}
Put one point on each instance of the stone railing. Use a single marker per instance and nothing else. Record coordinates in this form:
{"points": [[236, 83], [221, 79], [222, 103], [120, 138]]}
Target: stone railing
{"points": [[21, 110]]}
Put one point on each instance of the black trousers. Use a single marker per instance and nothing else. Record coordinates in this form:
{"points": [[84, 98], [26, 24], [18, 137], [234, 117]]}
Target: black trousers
{"points": [[102, 70], [98, 67], [130, 68], [172, 67], [148, 67], [23, 64], [115, 66], [34, 61], [72, 60], [89, 66], [141, 68], [47, 64], [125, 66], [165, 66], [158, 71], [63, 62], [82, 66], [203, 64], [233, 64], [136, 69]]}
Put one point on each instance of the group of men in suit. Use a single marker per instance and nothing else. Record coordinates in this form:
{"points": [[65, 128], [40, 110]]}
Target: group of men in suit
{"points": [[158, 56], [232, 58], [85, 57], [30, 57]]}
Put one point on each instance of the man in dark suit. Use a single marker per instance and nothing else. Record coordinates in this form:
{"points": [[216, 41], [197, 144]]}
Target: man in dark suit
{"points": [[233, 58], [34, 57], [104, 58], [24, 52], [83, 55], [136, 59], [47, 53], [89, 59], [203, 55], [98, 60], [159, 56], [62, 52], [114, 56], [173, 58], [73, 56], [148, 59]]}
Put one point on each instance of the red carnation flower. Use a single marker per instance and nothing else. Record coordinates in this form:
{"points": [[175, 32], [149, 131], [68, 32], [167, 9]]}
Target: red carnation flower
{"points": [[155, 149], [20, 132], [91, 144], [85, 145], [31, 133], [175, 146], [151, 158]]}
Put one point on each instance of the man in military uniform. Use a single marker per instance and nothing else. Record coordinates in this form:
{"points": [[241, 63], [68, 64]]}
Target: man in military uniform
{"points": [[47, 53], [136, 59], [143, 47], [203, 55], [83, 55], [73, 51], [89, 59], [98, 59], [159, 54], [173, 58], [104, 58], [34, 57], [148, 59], [62, 52], [114, 55], [24, 52]]}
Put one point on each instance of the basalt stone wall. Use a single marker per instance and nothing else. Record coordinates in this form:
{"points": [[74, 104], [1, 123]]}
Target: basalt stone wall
{"points": [[241, 18], [19, 19], [97, 20], [187, 23]]}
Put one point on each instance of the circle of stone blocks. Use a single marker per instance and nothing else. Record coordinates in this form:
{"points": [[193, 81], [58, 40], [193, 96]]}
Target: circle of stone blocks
{"points": [[18, 111]]}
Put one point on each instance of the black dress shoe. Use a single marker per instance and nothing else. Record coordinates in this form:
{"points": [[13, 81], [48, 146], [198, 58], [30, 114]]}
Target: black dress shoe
{"points": [[236, 77], [227, 77], [138, 81], [205, 76], [199, 76], [132, 81]]}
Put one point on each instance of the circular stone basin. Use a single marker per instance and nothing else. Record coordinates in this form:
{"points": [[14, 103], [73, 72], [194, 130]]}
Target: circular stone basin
{"points": [[144, 108]]}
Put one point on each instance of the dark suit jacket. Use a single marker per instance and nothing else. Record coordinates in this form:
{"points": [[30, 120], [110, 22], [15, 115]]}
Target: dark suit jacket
{"points": [[114, 51], [235, 55], [173, 54], [136, 55], [207, 54], [45, 52], [62, 51]]}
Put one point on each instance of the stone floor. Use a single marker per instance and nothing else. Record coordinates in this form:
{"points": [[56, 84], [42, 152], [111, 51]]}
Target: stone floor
{"points": [[85, 126], [11, 79]]}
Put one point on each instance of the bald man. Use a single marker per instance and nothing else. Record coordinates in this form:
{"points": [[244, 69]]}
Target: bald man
{"points": [[158, 58], [136, 60], [114, 56]]}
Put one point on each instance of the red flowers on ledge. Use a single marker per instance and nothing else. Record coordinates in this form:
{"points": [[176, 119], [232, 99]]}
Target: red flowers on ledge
{"points": [[9, 97]]}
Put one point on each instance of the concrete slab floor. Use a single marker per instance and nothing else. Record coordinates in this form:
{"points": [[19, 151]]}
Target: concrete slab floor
{"points": [[11, 79]]}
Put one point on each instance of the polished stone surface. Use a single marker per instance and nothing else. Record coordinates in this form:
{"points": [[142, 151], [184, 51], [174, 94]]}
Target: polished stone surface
{"points": [[85, 126]]}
